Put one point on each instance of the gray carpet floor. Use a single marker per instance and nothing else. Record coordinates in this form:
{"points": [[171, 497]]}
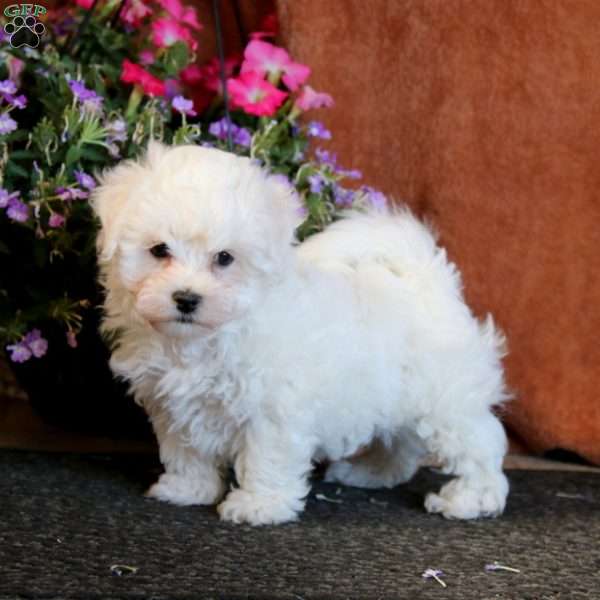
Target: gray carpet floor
{"points": [[66, 519]]}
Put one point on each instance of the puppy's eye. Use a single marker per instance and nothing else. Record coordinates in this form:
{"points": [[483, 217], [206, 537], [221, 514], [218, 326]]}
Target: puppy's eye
{"points": [[223, 258], [160, 251]]}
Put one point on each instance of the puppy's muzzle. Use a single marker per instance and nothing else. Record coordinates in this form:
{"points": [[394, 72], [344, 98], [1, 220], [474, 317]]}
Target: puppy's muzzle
{"points": [[186, 301]]}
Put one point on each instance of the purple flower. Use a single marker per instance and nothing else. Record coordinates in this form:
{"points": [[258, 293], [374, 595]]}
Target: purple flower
{"points": [[8, 87], [19, 353], [91, 101], [375, 198], [114, 151], [85, 180], [326, 158], [496, 566], [7, 124], [184, 106], [317, 183], [43, 72], [173, 90], [302, 211], [16, 101], [70, 193], [93, 105], [17, 210], [330, 160], [343, 197], [6, 197], [33, 344], [317, 129], [349, 173], [80, 91], [434, 574], [240, 135], [219, 128], [37, 344], [56, 220], [117, 130]]}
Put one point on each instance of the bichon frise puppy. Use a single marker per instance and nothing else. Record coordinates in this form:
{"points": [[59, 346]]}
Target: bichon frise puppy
{"points": [[248, 350]]}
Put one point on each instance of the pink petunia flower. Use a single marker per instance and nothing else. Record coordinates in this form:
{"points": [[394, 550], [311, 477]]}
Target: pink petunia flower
{"points": [[146, 57], [15, 68], [211, 73], [132, 73], [72, 339], [191, 75], [267, 59], [295, 75], [87, 4], [56, 220], [181, 13], [309, 99], [254, 95], [165, 32], [135, 12]]}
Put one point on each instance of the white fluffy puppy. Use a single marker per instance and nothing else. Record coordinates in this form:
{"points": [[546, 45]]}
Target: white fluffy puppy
{"points": [[246, 350]]}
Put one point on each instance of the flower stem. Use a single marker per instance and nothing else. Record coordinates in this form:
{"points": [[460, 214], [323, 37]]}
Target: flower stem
{"points": [[134, 101]]}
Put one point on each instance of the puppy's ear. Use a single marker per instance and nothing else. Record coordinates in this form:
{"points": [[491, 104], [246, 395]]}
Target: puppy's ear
{"points": [[109, 200], [116, 191]]}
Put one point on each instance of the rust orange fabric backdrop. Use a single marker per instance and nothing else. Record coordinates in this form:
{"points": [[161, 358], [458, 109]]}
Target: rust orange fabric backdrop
{"points": [[484, 115]]}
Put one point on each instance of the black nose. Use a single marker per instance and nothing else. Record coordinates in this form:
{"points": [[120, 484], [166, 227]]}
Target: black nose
{"points": [[186, 301]]}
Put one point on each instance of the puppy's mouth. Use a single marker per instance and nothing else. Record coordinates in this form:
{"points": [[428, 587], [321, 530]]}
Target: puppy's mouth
{"points": [[185, 319]]}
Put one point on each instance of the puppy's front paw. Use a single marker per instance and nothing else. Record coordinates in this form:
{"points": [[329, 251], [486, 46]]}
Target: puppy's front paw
{"points": [[186, 491], [241, 506]]}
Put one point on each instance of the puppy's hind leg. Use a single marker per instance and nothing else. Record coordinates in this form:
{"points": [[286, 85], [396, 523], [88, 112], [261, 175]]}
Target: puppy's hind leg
{"points": [[472, 449], [382, 465]]}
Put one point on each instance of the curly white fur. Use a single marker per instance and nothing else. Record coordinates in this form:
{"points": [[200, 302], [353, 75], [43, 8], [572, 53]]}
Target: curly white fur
{"points": [[358, 338]]}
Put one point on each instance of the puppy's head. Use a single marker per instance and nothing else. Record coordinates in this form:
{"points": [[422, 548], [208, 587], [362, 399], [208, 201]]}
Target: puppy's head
{"points": [[191, 237]]}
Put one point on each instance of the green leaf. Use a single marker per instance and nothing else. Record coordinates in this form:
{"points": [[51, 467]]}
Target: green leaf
{"points": [[16, 154], [93, 154], [175, 59], [16, 170], [44, 133], [73, 155]]}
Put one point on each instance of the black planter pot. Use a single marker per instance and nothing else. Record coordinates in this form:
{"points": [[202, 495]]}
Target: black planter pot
{"points": [[74, 389]]}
